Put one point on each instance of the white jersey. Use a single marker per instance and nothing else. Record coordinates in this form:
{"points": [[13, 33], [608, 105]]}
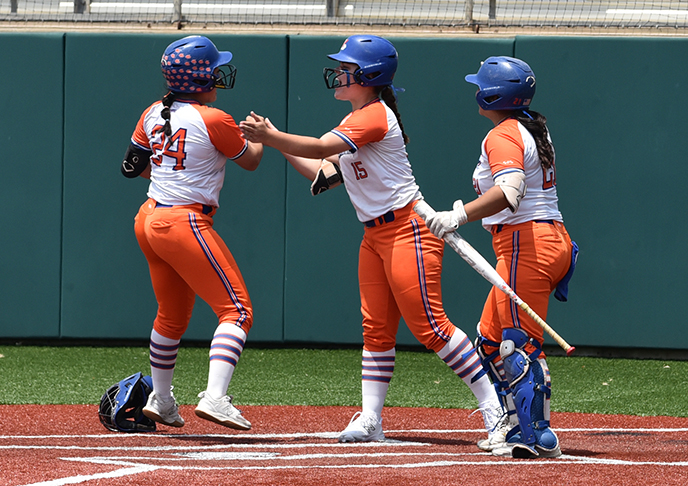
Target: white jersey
{"points": [[510, 147], [189, 166], [376, 170]]}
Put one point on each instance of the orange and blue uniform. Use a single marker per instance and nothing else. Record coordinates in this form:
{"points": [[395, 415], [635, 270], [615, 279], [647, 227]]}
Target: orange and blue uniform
{"points": [[400, 260], [532, 246], [174, 227]]}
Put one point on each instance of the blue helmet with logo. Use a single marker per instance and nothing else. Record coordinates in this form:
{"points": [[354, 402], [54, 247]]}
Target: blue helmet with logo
{"points": [[375, 57], [505, 83], [121, 406], [189, 66]]}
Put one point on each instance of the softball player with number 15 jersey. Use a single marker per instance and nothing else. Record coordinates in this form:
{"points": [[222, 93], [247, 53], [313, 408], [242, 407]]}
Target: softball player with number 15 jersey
{"points": [[516, 184], [400, 261], [182, 145]]}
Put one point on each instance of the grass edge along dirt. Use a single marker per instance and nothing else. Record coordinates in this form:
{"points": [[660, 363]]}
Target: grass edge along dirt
{"points": [[331, 377]]}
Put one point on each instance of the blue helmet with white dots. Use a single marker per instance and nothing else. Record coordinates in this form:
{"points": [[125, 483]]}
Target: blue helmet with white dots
{"points": [[189, 66]]}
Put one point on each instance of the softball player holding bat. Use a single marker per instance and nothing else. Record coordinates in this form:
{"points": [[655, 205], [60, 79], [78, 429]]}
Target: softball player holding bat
{"points": [[400, 261], [517, 201], [182, 145]]}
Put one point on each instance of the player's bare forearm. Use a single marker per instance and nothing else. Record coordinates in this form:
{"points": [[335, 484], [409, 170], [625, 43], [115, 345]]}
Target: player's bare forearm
{"points": [[146, 172], [257, 128], [300, 145], [492, 202], [303, 165], [251, 157]]}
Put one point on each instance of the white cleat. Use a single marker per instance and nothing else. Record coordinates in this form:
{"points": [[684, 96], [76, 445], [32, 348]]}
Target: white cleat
{"points": [[363, 428], [164, 412], [221, 411], [496, 434]]}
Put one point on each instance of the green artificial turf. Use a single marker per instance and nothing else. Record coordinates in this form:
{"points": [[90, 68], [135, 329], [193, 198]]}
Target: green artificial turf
{"points": [[80, 375]]}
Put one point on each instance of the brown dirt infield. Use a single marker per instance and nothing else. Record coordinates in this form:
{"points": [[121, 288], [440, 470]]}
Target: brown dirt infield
{"points": [[56, 445]]}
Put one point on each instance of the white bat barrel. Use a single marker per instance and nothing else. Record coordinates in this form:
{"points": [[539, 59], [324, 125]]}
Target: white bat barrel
{"points": [[483, 267]]}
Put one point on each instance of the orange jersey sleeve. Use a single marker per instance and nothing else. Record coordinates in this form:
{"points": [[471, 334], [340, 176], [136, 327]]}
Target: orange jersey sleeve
{"points": [[369, 124], [140, 137], [223, 131], [504, 147]]}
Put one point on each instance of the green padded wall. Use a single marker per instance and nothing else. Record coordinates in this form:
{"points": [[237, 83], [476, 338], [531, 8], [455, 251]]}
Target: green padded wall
{"points": [[321, 289], [615, 109], [31, 184], [73, 269], [323, 234], [110, 80]]}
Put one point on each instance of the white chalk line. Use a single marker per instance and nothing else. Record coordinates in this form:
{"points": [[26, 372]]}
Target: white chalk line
{"points": [[320, 435], [134, 465]]}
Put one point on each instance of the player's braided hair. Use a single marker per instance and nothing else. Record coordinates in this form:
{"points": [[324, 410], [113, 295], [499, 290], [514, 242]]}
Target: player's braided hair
{"points": [[390, 99], [536, 124], [167, 101]]}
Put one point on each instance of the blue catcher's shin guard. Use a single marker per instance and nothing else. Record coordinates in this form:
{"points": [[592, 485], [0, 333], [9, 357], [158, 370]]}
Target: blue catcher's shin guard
{"points": [[500, 384], [530, 389]]}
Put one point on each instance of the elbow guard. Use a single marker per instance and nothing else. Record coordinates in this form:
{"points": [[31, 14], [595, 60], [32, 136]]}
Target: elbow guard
{"points": [[135, 161], [513, 185], [329, 175]]}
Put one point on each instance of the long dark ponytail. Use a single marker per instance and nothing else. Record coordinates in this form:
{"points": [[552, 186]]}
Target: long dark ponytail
{"points": [[390, 99], [536, 124], [167, 101]]}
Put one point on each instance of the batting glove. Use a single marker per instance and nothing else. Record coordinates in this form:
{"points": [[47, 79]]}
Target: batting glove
{"points": [[444, 222]]}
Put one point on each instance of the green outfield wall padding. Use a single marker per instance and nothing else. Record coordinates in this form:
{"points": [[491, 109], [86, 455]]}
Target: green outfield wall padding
{"points": [[31, 184], [72, 267]]}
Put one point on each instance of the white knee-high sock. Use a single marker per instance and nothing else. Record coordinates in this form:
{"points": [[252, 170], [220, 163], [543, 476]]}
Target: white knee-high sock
{"points": [[377, 369], [507, 399], [225, 351], [163, 358], [461, 357]]}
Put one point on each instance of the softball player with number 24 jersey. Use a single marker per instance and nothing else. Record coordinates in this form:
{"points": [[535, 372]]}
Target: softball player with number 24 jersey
{"points": [[182, 145]]}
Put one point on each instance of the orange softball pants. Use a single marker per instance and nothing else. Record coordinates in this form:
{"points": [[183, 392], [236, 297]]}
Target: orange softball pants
{"points": [[399, 272], [187, 257], [532, 258]]}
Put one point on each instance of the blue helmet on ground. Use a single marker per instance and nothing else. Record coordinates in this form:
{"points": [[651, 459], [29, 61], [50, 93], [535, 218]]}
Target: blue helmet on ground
{"points": [[375, 57], [505, 83], [121, 406], [189, 66]]}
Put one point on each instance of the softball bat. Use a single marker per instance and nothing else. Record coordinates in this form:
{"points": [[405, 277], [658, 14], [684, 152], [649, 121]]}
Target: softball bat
{"points": [[483, 267]]}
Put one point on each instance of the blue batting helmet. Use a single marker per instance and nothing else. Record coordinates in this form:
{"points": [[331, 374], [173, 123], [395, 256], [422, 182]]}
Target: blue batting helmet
{"points": [[505, 83], [375, 57], [189, 65], [121, 406]]}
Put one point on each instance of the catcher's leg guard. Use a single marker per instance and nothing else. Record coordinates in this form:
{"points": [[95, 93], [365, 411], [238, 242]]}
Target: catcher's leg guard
{"points": [[530, 387], [492, 364]]}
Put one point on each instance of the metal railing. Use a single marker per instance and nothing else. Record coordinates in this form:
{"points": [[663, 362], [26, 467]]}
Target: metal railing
{"points": [[439, 13]]}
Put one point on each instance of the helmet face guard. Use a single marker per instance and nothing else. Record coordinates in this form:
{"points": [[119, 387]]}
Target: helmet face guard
{"points": [[224, 78], [333, 78], [189, 65], [375, 57], [121, 406], [505, 83]]}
